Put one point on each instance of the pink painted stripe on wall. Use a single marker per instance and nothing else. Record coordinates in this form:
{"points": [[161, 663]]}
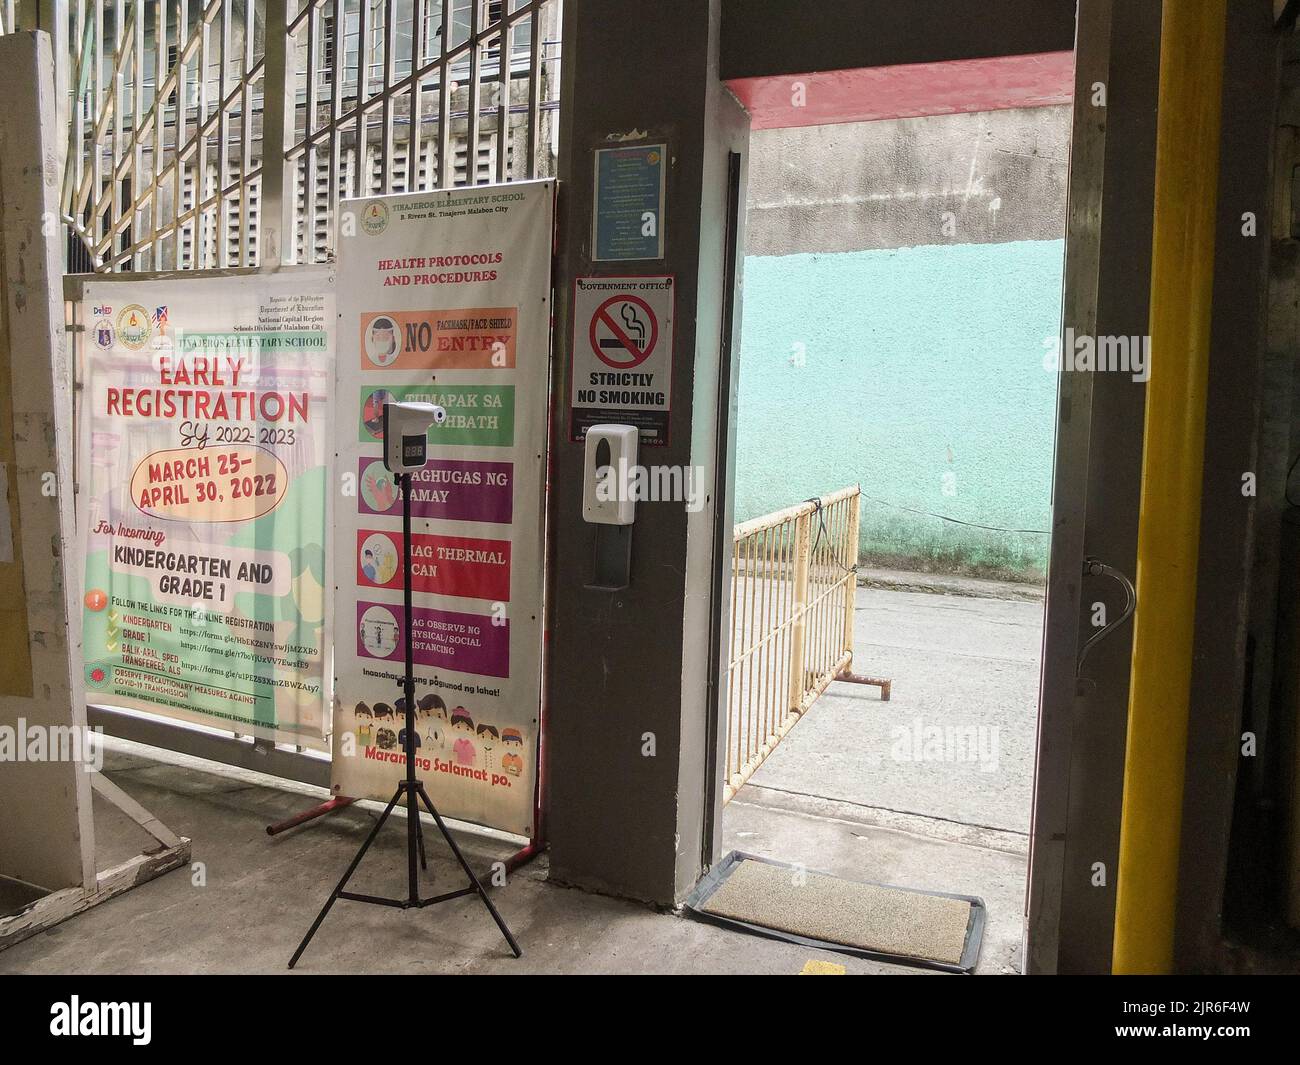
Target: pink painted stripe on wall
{"points": [[907, 91]]}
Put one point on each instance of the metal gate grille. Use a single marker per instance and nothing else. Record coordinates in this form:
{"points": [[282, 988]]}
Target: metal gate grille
{"points": [[451, 94], [163, 155], [173, 106]]}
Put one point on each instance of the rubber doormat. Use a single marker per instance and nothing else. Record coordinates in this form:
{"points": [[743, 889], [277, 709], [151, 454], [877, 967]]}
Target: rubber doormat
{"points": [[768, 898]]}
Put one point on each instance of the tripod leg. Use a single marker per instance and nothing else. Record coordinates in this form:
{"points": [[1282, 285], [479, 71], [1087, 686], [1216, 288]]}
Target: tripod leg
{"points": [[470, 873], [419, 835], [329, 903], [412, 847]]}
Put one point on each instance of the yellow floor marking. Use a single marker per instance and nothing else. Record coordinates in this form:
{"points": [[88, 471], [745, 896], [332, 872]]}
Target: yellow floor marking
{"points": [[813, 967]]}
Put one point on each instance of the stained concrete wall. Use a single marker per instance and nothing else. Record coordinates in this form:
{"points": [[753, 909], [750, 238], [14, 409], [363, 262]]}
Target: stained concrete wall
{"points": [[870, 185], [901, 280]]}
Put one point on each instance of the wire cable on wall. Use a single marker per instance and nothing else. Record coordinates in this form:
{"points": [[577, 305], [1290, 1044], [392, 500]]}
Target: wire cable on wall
{"points": [[959, 521]]}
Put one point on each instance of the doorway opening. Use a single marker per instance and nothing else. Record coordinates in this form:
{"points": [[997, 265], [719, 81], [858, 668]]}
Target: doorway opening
{"points": [[895, 427]]}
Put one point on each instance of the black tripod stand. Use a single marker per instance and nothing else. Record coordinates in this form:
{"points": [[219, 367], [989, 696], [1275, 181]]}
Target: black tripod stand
{"points": [[413, 788]]}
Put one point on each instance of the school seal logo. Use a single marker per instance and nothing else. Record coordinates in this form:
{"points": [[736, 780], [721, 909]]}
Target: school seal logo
{"points": [[374, 218], [134, 326]]}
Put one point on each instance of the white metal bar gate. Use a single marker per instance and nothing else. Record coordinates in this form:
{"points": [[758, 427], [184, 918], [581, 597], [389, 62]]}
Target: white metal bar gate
{"points": [[794, 582]]}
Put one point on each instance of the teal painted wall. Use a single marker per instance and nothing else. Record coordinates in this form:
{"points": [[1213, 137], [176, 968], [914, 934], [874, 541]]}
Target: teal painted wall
{"points": [[916, 363]]}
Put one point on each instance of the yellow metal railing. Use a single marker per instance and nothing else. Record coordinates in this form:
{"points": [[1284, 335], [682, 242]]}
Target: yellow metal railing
{"points": [[793, 589]]}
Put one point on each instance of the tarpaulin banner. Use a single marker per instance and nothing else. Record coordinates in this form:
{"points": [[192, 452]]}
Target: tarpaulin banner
{"points": [[445, 297], [205, 458]]}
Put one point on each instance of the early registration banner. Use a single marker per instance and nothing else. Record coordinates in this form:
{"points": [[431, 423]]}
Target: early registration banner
{"points": [[204, 454], [444, 297]]}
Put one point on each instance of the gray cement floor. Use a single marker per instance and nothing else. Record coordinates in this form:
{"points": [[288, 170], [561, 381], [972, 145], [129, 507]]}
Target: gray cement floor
{"points": [[257, 895], [260, 894], [958, 663], [932, 789]]}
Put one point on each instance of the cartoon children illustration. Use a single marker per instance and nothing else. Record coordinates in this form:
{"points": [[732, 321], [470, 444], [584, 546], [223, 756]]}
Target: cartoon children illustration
{"points": [[463, 727], [365, 725], [432, 712], [415, 739], [368, 566], [512, 761], [488, 741]]}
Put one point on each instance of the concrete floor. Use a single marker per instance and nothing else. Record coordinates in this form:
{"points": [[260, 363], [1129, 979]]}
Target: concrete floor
{"points": [[261, 893], [257, 895], [845, 792], [956, 661]]}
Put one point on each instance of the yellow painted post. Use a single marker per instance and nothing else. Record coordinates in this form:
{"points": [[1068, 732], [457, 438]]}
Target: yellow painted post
{"points": [[1182, 276]]}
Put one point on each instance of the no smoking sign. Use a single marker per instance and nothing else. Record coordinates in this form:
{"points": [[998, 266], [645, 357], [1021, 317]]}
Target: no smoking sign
{"points": [[624, 331], [623, 371]]}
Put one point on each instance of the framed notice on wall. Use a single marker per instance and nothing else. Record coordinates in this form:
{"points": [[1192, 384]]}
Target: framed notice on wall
{"points": [[205, 446], [445, 297], [627, 219]]}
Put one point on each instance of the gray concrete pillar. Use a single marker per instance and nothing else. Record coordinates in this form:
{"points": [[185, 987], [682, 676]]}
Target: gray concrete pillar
{"points": [[630, 670]]}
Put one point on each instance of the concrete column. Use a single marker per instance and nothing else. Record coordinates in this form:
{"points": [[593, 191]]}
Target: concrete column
{"points": [[629, 669], [1113, 480], [46, 828]]}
